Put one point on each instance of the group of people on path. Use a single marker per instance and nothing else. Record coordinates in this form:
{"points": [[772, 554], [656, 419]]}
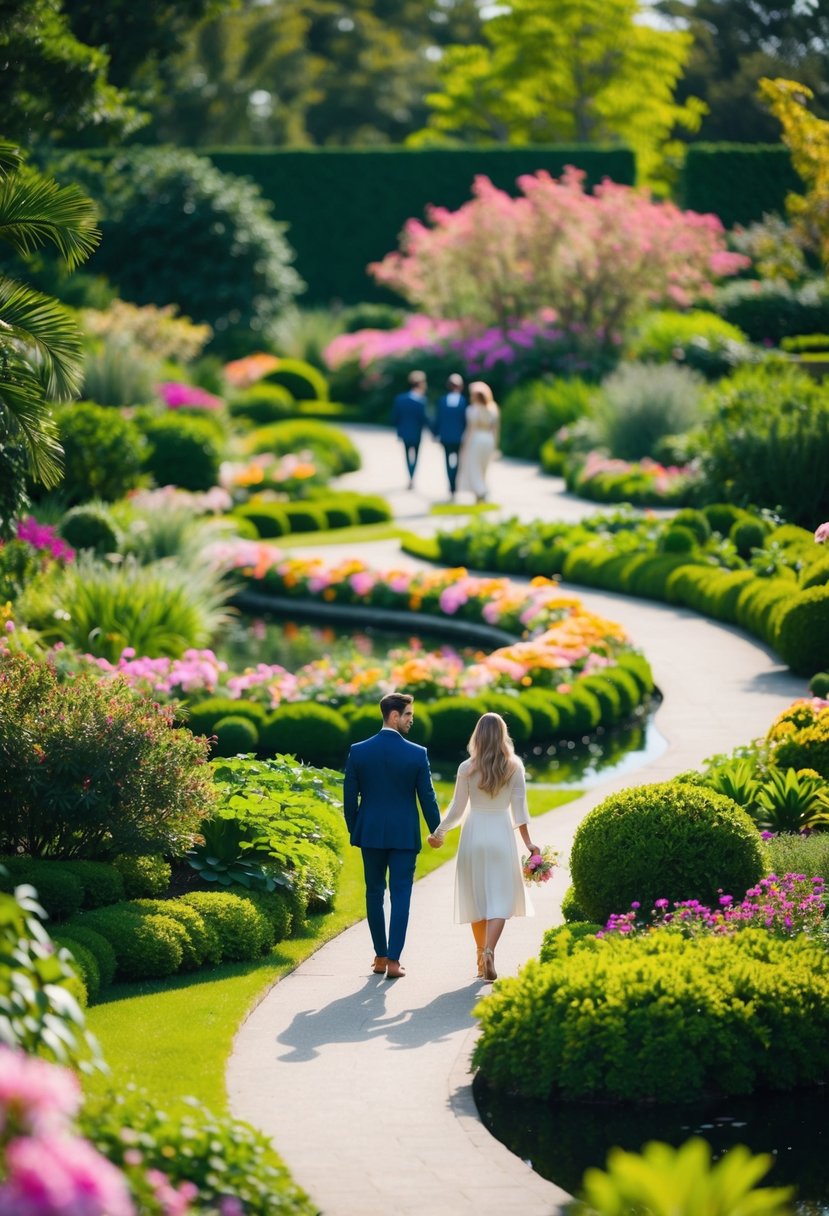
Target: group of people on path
{"points": [[386, 777], [467, 427]]}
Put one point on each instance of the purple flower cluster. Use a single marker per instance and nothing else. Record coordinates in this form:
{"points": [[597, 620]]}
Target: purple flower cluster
{"points": [[786, 906], [44, 538]]}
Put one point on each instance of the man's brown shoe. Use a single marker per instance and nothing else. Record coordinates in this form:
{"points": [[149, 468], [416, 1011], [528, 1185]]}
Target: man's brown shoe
{"points": [[379, 965], [394, 971]]}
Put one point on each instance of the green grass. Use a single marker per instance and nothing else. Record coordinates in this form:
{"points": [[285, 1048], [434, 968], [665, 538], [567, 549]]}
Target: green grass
{"points": [[341, 536], [173, 1037], [457, 508]]}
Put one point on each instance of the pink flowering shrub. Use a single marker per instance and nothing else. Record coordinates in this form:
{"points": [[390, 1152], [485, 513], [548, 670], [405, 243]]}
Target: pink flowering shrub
{"points": [[498, 259], [179, 396], [643, 483], [44, 539], [45, 1168]]}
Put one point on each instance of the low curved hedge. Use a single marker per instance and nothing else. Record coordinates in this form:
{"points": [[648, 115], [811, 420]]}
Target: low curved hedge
{"points": [[315, 734], [241, 929], [659, 1018]]}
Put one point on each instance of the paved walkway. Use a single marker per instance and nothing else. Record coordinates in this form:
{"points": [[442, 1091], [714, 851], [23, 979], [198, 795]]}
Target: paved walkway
{"points": [[364, 1084]]}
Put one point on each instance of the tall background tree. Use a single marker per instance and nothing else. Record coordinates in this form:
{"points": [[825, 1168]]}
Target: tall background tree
{"points": [[736, 42], [554, 71], [310, 72]]}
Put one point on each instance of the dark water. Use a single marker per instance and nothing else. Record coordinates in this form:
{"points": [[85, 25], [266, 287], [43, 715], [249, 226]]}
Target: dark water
{"points": [[290, 644], [560, 1141], [580, 764]]}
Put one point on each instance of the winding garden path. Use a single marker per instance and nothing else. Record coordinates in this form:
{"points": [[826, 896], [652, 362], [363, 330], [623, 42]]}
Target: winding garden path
{"points": [[364, 1085]]}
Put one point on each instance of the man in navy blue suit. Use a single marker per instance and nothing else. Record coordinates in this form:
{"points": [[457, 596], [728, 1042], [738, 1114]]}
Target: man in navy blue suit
{"points": [[408, 415], [385, 778], [450, 424]]}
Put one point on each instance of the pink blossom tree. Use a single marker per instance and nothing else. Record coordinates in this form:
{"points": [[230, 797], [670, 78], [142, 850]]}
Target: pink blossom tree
{"points": [[597, 260]]}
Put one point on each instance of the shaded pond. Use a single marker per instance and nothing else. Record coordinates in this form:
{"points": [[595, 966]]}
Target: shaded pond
{"points": [[561, 1141]]}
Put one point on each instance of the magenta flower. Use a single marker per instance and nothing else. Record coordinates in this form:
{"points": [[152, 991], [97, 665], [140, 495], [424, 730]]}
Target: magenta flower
{"points": [[822, 533], [61, 1176], [177, 396]]}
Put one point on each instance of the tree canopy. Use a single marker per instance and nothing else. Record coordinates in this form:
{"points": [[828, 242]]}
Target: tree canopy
{"points": [[564, 71]]}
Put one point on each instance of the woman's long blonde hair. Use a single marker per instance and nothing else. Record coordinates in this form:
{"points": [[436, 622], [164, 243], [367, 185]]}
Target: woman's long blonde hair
{"points": [[492, 752], [479, 388]]}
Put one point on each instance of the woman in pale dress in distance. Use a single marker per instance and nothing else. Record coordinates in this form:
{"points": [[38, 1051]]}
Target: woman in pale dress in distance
{"points": [[489, 885], [480, 440]]}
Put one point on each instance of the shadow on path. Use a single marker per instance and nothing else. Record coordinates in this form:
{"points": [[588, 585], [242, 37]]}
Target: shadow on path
{"points": [[361, 1017]]}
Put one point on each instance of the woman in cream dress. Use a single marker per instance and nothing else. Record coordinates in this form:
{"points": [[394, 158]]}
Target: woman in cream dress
{"points": [[489, 886], [480, 440]]}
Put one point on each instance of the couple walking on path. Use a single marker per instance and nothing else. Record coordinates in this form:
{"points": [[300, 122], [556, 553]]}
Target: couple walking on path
{"points": [[468, 430], [385, 779]]}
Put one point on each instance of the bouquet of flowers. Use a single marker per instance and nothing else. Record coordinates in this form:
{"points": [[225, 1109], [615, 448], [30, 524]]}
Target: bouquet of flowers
{"points": [[538, 867]]}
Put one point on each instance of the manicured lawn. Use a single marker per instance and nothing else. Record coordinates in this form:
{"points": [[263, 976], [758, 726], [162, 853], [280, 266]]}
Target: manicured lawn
{"points": [[341, 536], [458, 508], [173, 1037]]}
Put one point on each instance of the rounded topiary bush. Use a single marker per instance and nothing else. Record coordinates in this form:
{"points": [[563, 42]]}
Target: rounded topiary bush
{"points": [[585, 711], [626, 686], [304, 517], [145, 875], [748, 534], [313, 733], [696, 521], [677, 539], [235, 736], [571, 909], [372, 509], [146, 945], [517, 717], [802, 636], [268, 519], [84, 963], [453, 721], [671, 841], [338, 514], [544, 716], [97, 945], [722, 516], [243, 932], [183, 452], [819, 684], [102, 452], [202, 717], [101, 882], [90, 527], [59, 892], [276, 907], [608, 696], [659, 1018], [262, 403], [637, 666], [201, 944]]}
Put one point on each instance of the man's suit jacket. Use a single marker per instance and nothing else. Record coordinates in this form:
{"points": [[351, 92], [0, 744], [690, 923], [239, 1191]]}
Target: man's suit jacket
{"points": [[450, 420], [385, 777], [408, 415]]}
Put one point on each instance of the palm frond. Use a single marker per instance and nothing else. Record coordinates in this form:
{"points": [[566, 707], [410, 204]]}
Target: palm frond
{"points": [[27, 417], [35, 210], [29, 319], [11, 158]]}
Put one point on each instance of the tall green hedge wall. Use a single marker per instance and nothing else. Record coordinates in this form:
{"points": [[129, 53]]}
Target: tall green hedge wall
{"points": [[738, 182], [346, 207]]}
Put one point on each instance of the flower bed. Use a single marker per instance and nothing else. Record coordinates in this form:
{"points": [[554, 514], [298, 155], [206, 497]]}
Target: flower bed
{"points": [[644, 483]]}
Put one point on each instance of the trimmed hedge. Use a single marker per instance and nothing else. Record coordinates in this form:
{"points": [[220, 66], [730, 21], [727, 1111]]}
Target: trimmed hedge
{"points": [[241, 929], [738, 182], [147, 875], [668, 840], [346, 206], [146, 945], [659, 1018], [315, 734]]}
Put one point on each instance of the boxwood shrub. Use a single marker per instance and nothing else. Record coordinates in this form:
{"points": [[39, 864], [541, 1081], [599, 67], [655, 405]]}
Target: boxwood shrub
{"points": [[517, 717], [268, 518], [201, 943], [242, 930], [96, 944], [544, 716], [143, 875], [183, 452], [276, 906], [59, 892], [305, 517], [146, 945], [802, 634], [202, 717], [571, 910], [90, 527], [315, 734], [262, 403], [453, 721], [84, 963], [660, 1018], [365, 721], [235, 736], [668, 840], [608, 696]]}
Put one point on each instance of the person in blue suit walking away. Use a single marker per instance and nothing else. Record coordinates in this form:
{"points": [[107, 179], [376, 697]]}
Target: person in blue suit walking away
{"points": [[385, 778], [449, 426], [408, 417]]}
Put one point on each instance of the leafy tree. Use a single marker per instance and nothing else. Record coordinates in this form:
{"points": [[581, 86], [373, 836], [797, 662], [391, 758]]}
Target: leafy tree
{"points": [[565, 70], [40, 344], [313, 72], [736, 42], [807, 138], [52, 86]]}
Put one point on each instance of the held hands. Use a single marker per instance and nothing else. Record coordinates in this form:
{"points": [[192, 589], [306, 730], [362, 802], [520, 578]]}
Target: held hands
{"points": [[435, 840]]}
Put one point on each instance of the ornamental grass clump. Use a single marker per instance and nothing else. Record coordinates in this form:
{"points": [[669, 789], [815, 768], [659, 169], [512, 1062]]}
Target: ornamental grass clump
{"points": [[660, 1018]]}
